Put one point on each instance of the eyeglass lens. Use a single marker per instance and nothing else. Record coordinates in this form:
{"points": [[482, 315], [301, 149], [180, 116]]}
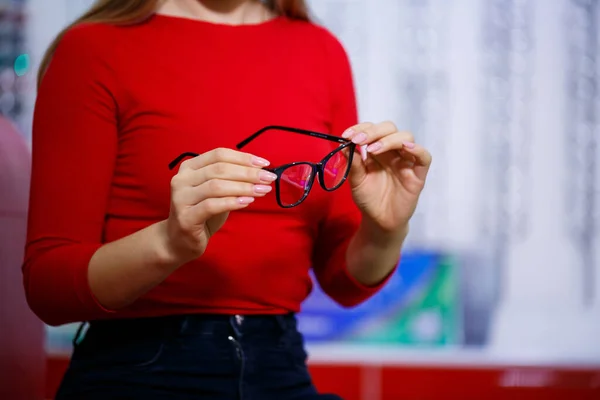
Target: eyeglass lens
{"points": [[294, 183], [335, 168]]}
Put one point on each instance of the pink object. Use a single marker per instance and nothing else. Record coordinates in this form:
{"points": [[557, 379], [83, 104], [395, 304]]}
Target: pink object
{"points": [[363, 152], [22, 356]]}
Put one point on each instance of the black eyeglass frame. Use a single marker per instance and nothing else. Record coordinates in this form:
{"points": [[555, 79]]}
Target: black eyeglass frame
{"points": [[318, 169]]}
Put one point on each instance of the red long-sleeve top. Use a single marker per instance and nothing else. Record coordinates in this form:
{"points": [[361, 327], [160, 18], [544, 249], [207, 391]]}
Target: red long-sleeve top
{"points": [[117, 104]]}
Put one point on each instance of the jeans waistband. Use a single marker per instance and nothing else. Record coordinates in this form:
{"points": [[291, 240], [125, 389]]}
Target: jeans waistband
{"points": [[190, 324]]}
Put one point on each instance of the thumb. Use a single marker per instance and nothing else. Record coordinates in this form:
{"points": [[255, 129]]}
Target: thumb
{"points": [[358, 169]]}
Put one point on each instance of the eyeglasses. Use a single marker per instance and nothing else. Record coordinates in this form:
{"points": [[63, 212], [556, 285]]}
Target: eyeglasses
{"points": [[295, 180]]}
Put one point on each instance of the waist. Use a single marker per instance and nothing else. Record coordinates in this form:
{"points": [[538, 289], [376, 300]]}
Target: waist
{"points": [[190, 324]]}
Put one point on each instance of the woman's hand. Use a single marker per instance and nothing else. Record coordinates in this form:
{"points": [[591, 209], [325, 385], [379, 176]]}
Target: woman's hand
{"points": [[387, 184], [205, 190]]}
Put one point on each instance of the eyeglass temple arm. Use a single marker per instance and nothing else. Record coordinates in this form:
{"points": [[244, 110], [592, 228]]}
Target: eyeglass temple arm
{"points": [[319, 135], [246, 141], [180, 158]]}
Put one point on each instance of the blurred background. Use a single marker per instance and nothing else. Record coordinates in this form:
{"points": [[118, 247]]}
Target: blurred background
{"points": [[498, 293]]}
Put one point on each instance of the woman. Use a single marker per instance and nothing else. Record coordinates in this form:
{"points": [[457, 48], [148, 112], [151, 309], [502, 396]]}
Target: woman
{"points": [[190, 277]]}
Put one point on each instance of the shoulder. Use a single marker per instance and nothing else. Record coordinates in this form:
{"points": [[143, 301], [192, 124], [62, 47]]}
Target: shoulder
{"points": [[87, 38], [318, 36], [93, 46], [86, 46], [84, 53]]}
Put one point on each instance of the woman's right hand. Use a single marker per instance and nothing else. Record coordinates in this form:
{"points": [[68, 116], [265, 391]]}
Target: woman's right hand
{"points": [[205, 190]]}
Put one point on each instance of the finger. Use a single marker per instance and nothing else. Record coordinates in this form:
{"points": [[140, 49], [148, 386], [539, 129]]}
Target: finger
{"points": [[353, 130], [227, 171], [224, 155], [217, 188], [423, 159], [395, 141], [407, 156], [215, 206], [366, 135], [359, 168], [422, 156]]}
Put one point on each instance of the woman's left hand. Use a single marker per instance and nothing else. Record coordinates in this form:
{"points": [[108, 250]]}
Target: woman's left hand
{"points": [[386, 186]]}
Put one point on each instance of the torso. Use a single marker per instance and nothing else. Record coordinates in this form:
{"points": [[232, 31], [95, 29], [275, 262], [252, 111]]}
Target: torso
{"points": [[207, 91]]}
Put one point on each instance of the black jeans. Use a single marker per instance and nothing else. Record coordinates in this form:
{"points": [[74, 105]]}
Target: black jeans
{"points": [[191, 357]]}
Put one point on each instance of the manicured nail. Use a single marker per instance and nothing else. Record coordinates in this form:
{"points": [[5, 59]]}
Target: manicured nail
{"points": [[358, 139], [262, 189], [260, 162], [347, 133], [267, 176], [363, 152], [374, 147], [245, 200], [409, 145]]}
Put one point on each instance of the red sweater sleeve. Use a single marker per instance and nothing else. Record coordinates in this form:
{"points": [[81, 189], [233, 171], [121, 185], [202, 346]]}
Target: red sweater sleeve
{"points": [[74, 150], [343, 218]]}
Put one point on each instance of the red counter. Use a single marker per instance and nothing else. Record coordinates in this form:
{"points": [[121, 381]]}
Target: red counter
{"points": [[434, 378]]}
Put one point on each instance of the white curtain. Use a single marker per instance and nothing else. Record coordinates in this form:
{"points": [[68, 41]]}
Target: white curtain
{"points": [[505, 95]]}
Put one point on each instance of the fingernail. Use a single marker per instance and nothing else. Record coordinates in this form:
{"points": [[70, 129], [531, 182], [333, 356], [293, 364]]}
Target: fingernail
{"points": [[408, 145], [260, 162], [358, 139], [363, 152], [262, 189], [267, 176], [374, 147], [347, 133], [245, 200]]}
